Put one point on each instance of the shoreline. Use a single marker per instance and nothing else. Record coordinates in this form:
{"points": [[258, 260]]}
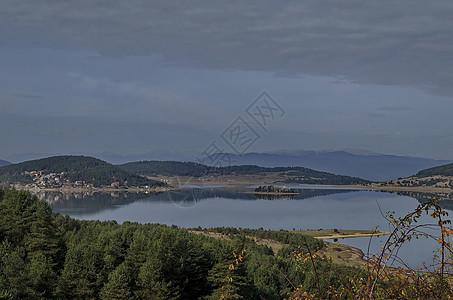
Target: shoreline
{"points": [[243, 184], [68, 190], [239, 185], [420, 189], [245, 180], [339, 253], [346, 236]]}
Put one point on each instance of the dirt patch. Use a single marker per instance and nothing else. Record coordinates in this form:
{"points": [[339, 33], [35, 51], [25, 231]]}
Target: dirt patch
{"points": [[343, 254], [215, 235], [273, 244]]}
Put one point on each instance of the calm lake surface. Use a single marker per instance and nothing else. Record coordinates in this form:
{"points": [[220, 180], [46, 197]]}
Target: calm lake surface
{"points": [[313, 208]]}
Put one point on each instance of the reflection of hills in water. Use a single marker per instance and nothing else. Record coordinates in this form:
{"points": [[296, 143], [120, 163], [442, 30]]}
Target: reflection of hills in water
{"points": [[188, 197], [78, 204], [303, 194], [445, 199], [275, 196], [88, 202]]}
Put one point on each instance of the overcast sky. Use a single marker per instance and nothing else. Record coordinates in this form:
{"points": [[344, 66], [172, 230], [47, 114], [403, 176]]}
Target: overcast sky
{"points": [[148, 76]]}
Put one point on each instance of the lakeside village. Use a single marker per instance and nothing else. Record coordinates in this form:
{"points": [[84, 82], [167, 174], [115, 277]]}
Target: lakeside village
{"points": [[41, 180]]}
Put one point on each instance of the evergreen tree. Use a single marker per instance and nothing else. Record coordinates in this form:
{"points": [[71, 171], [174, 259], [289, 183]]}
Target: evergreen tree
{"points": [[14, 272], [118, 285], [152, 285]]}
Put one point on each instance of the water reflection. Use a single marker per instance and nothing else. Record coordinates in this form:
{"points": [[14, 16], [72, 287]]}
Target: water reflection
{"points": [[88, 203], [445, 198], [78, 204], [229, 207]]}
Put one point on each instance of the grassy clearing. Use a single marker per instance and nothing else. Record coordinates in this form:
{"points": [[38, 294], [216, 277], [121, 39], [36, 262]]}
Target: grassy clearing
{"points": [[343, 254], [339, 253]]}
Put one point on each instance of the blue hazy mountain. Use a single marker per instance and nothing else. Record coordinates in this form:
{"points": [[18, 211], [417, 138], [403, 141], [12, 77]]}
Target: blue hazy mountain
{"points": [[370, 166], [355, 163], [4, 163], [364, 164]]}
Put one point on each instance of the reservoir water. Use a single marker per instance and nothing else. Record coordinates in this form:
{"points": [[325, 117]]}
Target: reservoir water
{"points": [[314, 208]]}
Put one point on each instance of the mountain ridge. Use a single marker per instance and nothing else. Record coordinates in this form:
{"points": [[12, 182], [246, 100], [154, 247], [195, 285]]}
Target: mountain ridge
{"points": [[353, 162], [374, 167], [191, 169], [4, 163], [57, 171]]}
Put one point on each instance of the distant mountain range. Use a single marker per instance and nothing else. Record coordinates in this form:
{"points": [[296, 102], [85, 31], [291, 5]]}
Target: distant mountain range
{"points": [[355, 163], [100, 173], [370, 166], [4, 163]]}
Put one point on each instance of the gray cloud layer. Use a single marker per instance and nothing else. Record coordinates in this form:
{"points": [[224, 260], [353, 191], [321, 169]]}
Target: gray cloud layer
{"points": [[379, 42]]}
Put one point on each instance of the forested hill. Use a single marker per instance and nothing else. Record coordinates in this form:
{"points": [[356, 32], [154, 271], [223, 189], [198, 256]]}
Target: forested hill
{"points": [[59, 170], [4, 163], [445, 170], [292, 174]]}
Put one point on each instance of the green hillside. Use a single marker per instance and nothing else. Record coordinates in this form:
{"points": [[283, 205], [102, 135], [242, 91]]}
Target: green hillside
{"points": [[297, 174], [71, 169], [444, 170]]}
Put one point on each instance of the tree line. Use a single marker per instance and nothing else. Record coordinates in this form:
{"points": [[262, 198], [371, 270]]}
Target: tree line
{"points": [[49, 256], [296, 174]]}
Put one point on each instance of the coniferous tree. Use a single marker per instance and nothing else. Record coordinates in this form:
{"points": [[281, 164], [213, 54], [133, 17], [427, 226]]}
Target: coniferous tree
{"points": [[118, 285]]}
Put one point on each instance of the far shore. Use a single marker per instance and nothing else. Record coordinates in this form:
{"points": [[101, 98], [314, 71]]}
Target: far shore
{"points": [[68, 190], [420, 189], [240, 182], [246, 180]]}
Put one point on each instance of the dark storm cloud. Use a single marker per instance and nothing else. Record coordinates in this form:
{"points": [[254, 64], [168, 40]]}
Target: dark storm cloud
{"points": [[379, 42], [82, 134]]}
